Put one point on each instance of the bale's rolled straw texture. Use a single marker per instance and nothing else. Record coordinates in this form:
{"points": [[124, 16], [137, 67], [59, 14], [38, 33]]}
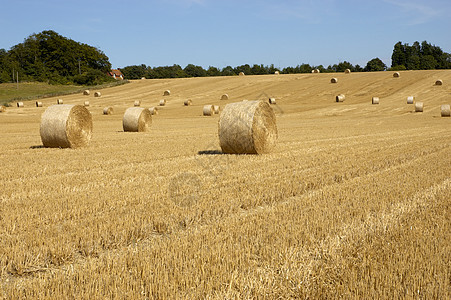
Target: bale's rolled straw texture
{"points": [[97, 94], [137, 119], [108, 110], [445, 110], [418, 106], [187, 102], [66, 126], [86, 92], [153, 110], [247, 127], [38, 104], [334, 80], [20, 104], [225, 97], [137, 103], [208, 110], [340, 98], [162, 102], [167, 93], [347, 71], [410, 100], [216, 109], [86, 103], [272, 100], [396, 74], [375, 100], [2, 108], [59, 101], [439, 82]]}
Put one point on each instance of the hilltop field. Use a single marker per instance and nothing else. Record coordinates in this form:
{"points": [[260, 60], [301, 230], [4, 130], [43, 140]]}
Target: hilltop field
{"points": [[354, 201]]}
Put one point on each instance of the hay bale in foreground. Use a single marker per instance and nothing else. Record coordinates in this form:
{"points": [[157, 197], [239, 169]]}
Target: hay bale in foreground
{"points": [[137, 103], [66, 126], [333, 80], [38, 104], [153, 110], [86, 92], [272, 100], [410, 100], [216, 109], [340, 98], [225, 97], [208, 110], [247, 127], [167, 93], [439, 82], [137, 119], [418, 106], [445, 110], [162, 102], [242, 74], [20, 104], [86, 103], [108, 110], [97, 94], [187, 102], [59, 101], [2, 108], [396, 74], [347, 71], [375, 100]]}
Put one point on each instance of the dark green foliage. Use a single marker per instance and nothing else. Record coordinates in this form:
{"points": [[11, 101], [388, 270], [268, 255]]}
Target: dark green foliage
{"points": [[419, 57], [375, 65], [194, 71]]}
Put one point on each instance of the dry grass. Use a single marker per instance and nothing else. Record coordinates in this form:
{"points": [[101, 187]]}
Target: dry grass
{"points": [[337, 210]]}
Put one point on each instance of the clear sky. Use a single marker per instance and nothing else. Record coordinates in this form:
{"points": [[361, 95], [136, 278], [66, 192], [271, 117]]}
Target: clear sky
{"points": [[232, 32]]}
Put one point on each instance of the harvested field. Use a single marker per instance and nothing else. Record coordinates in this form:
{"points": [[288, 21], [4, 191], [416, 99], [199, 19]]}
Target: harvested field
{"points": [[353, 201]]}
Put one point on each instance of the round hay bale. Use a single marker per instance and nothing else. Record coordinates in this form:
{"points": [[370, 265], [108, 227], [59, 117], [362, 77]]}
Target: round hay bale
{"points": [[216, 109], [38, 104], [137, 103], [247, 127], [208, 110], [276, 73], [225, 97], [347, 71], [340, 98], [142, 78], [334, 80], [396, 74], [272, 100], [439, 82], [418, 106], [20, 104], [108, 110], [162, 102], [86, 92], [410, 100], [445, 110], [242, 74], [375, 100], [137, 119], [167, 93], [59, 101], [153, 110], [97, 94], [187, 102], [2, 108], [86, 103], [66, 126]]}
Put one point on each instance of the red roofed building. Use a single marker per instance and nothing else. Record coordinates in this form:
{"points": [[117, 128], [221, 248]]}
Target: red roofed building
{"points": [[116, 74]]}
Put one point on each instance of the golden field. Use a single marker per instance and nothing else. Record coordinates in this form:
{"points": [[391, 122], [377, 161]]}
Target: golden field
{"points": [[354, 201]]}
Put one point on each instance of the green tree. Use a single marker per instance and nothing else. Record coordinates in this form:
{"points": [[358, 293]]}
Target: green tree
{"points": [[213, 71], [375, 65], [194, 71]]}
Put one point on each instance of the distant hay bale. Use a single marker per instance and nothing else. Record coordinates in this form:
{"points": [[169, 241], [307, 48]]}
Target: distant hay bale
{"points": [[216, 109], [108, 110], [242, 74], [97, 94], [38, 104], [208, 110], [410, 100], [375, 100], [167, 93], [162, 102], [20, 104], [187, 102], [347, 71], [2, 108], [153, 110], [86, 103], [445, 110], [225, 97], [137, 119], [315, 71], [66, 126], [59, 101], [86, 92], [272, 100], [142, 78], [276, 73], [396, 74], [439, 82], [137, 103], [334, 80], [418, 106], [340, 98], [247, 127]]}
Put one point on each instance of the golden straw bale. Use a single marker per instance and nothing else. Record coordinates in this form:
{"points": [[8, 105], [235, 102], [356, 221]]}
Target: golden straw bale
{"points": [[396, 74], [241, 74], [439, 82], [2, 108], [59, 101], [86, 103], [272, 100], [38, 104], [86, 92], [153, 110], [445, 110], [216, 109], [334, 80], [187, 102], [20, 104], [137, 119], [347, 71], [225, 97], [418, 106], [375, 100], [108, 110], [167, 93], [276, 73], [340, 98], [410, 100], [137, 103], [162, 102], [97, 94], [208, 110]]}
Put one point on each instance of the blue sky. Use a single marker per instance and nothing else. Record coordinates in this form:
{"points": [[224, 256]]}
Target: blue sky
{"points": [[220, 33]]}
